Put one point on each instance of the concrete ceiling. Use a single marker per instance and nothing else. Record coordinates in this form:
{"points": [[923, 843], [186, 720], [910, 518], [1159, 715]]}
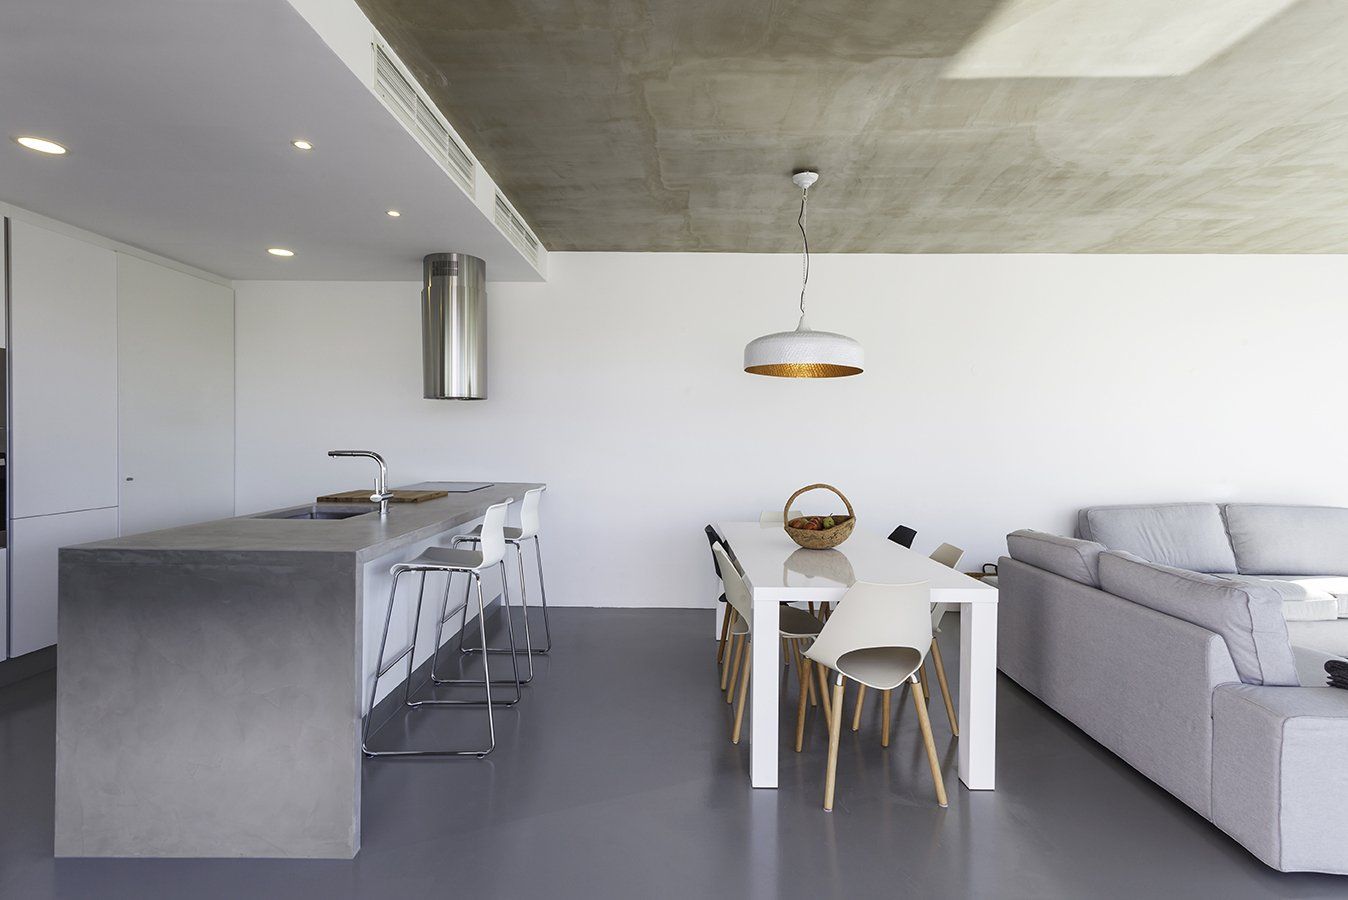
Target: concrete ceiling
{"points": [[673, 124], [179, 116]]}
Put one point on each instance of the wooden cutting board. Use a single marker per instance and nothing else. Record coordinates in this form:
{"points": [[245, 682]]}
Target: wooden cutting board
{"points": [[398, 496]]}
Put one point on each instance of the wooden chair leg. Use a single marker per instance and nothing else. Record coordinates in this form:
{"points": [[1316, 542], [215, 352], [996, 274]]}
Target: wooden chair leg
{"points": [[725, 633], [733, 669], [834, 732], [856, 713], [924, 723], [809, 682], [728, 622], [808, 687], [945, 689], [922, 680], [805, 681], [823, 691], [744, 692], [811, 608], [884, 720]]}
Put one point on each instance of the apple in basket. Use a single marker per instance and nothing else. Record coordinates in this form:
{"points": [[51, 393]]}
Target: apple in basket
{"points": [[817, 523]]}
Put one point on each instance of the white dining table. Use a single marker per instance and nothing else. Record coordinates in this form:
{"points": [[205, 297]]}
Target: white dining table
{"points": [[778, 571]]}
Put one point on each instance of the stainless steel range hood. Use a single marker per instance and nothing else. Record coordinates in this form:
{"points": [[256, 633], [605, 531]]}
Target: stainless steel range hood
{"points": [[454, 327]]}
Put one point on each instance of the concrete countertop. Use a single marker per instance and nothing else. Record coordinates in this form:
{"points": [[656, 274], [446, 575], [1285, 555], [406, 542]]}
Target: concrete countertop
{"points": [[367, 536]]}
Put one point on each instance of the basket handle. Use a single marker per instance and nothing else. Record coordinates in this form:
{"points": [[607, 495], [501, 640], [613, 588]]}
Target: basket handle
{"points": [[786, 510]]}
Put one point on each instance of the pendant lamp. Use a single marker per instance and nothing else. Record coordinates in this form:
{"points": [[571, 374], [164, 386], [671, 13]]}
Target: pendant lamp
{"points": [[804, 353]]}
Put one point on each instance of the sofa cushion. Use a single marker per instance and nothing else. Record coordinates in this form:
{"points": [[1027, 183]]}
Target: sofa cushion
{"points": [[1302, 600], [1334, 585], [1184, 535], [1309, 540], [1247, 616], [1068, 557]]}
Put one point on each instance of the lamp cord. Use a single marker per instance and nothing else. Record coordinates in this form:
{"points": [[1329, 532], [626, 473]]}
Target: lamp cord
{"points": [[805, 239]]}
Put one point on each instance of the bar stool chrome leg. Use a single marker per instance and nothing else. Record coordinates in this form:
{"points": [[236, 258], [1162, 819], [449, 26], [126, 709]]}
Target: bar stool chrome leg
{"points": [[410, 653], [517, 682], [518, 544], [543, 596], [510, 617]]}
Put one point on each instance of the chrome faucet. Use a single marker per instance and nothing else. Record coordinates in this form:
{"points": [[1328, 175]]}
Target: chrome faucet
{"points": [[382, 495]]}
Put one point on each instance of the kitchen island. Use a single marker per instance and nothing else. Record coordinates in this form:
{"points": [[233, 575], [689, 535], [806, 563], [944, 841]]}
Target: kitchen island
{"points": [[210, 678]]}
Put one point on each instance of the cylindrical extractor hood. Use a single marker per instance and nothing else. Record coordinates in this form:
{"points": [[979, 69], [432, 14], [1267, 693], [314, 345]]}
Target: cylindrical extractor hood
{"points": [[454, 327]]}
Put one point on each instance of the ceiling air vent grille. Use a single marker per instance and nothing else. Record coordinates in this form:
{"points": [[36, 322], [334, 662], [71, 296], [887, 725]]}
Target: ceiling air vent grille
{"points": [[515, 229], [421, 120]]}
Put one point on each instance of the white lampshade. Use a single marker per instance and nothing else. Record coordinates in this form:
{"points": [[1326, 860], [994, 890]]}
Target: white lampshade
{"points": [[804, 354]]}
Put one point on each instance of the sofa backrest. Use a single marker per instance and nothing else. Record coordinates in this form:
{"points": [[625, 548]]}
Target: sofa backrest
{"points": [[1288, 540], [1248, 616], [1071, 558], [1184, 535]]}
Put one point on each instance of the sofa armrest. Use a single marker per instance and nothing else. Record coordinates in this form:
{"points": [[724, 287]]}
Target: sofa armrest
{"points": [[1280, 773], [1138, 681]]}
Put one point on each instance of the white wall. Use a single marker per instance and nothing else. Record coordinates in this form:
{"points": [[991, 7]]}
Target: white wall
{"points": [[1000, 392]]}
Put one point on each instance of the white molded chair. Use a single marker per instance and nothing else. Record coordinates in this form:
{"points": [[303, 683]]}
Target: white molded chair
{"points": [[946, 555], [449, 561], [795, 625], [877, 636]]}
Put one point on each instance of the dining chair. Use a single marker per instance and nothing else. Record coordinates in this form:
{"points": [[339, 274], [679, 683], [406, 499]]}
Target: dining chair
{"points": [[795, 626], [728, 616], [903, 536], [712, 539], [878, 636], [947, 555]]}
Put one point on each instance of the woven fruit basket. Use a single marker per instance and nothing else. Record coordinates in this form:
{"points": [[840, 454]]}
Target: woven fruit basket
{"points": [[819, 538]]}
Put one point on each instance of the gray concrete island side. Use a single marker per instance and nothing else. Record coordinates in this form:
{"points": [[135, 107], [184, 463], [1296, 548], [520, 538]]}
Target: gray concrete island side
{"points": [[210, 680]]}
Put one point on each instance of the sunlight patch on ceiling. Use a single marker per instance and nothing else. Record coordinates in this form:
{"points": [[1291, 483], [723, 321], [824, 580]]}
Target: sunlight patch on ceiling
{"points": [[1107, 38]]}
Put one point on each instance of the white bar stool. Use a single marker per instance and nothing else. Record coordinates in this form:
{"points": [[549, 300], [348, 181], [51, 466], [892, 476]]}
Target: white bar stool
{"points": [[449, 561], [515, 537]]}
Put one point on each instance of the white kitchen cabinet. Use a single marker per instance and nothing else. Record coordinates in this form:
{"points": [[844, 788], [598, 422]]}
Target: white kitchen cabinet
{"points": [[33, 543], [63, 374], [175, 361]]}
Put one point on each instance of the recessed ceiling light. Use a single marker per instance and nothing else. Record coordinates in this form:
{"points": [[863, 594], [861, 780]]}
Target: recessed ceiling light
{"points": [[393, 213], [302, 145], [280, 251], [41, 145]]}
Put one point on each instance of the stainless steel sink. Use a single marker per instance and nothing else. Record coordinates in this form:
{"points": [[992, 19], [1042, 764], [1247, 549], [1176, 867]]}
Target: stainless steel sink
{"points": [[319, 512]]}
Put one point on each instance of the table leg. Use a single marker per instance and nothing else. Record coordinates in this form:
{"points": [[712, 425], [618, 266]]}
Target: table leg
{"points": [[766, 683], [978, 695]]}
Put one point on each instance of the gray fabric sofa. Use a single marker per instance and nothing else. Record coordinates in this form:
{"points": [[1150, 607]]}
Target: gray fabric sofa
{"points": [[1173, 635]]}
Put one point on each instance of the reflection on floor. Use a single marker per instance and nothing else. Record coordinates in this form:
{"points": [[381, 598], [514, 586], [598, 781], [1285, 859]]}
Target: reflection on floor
{"points": [[616, 779]]}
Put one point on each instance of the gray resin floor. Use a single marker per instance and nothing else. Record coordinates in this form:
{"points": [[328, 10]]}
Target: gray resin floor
{"points": [[616, 779]]}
